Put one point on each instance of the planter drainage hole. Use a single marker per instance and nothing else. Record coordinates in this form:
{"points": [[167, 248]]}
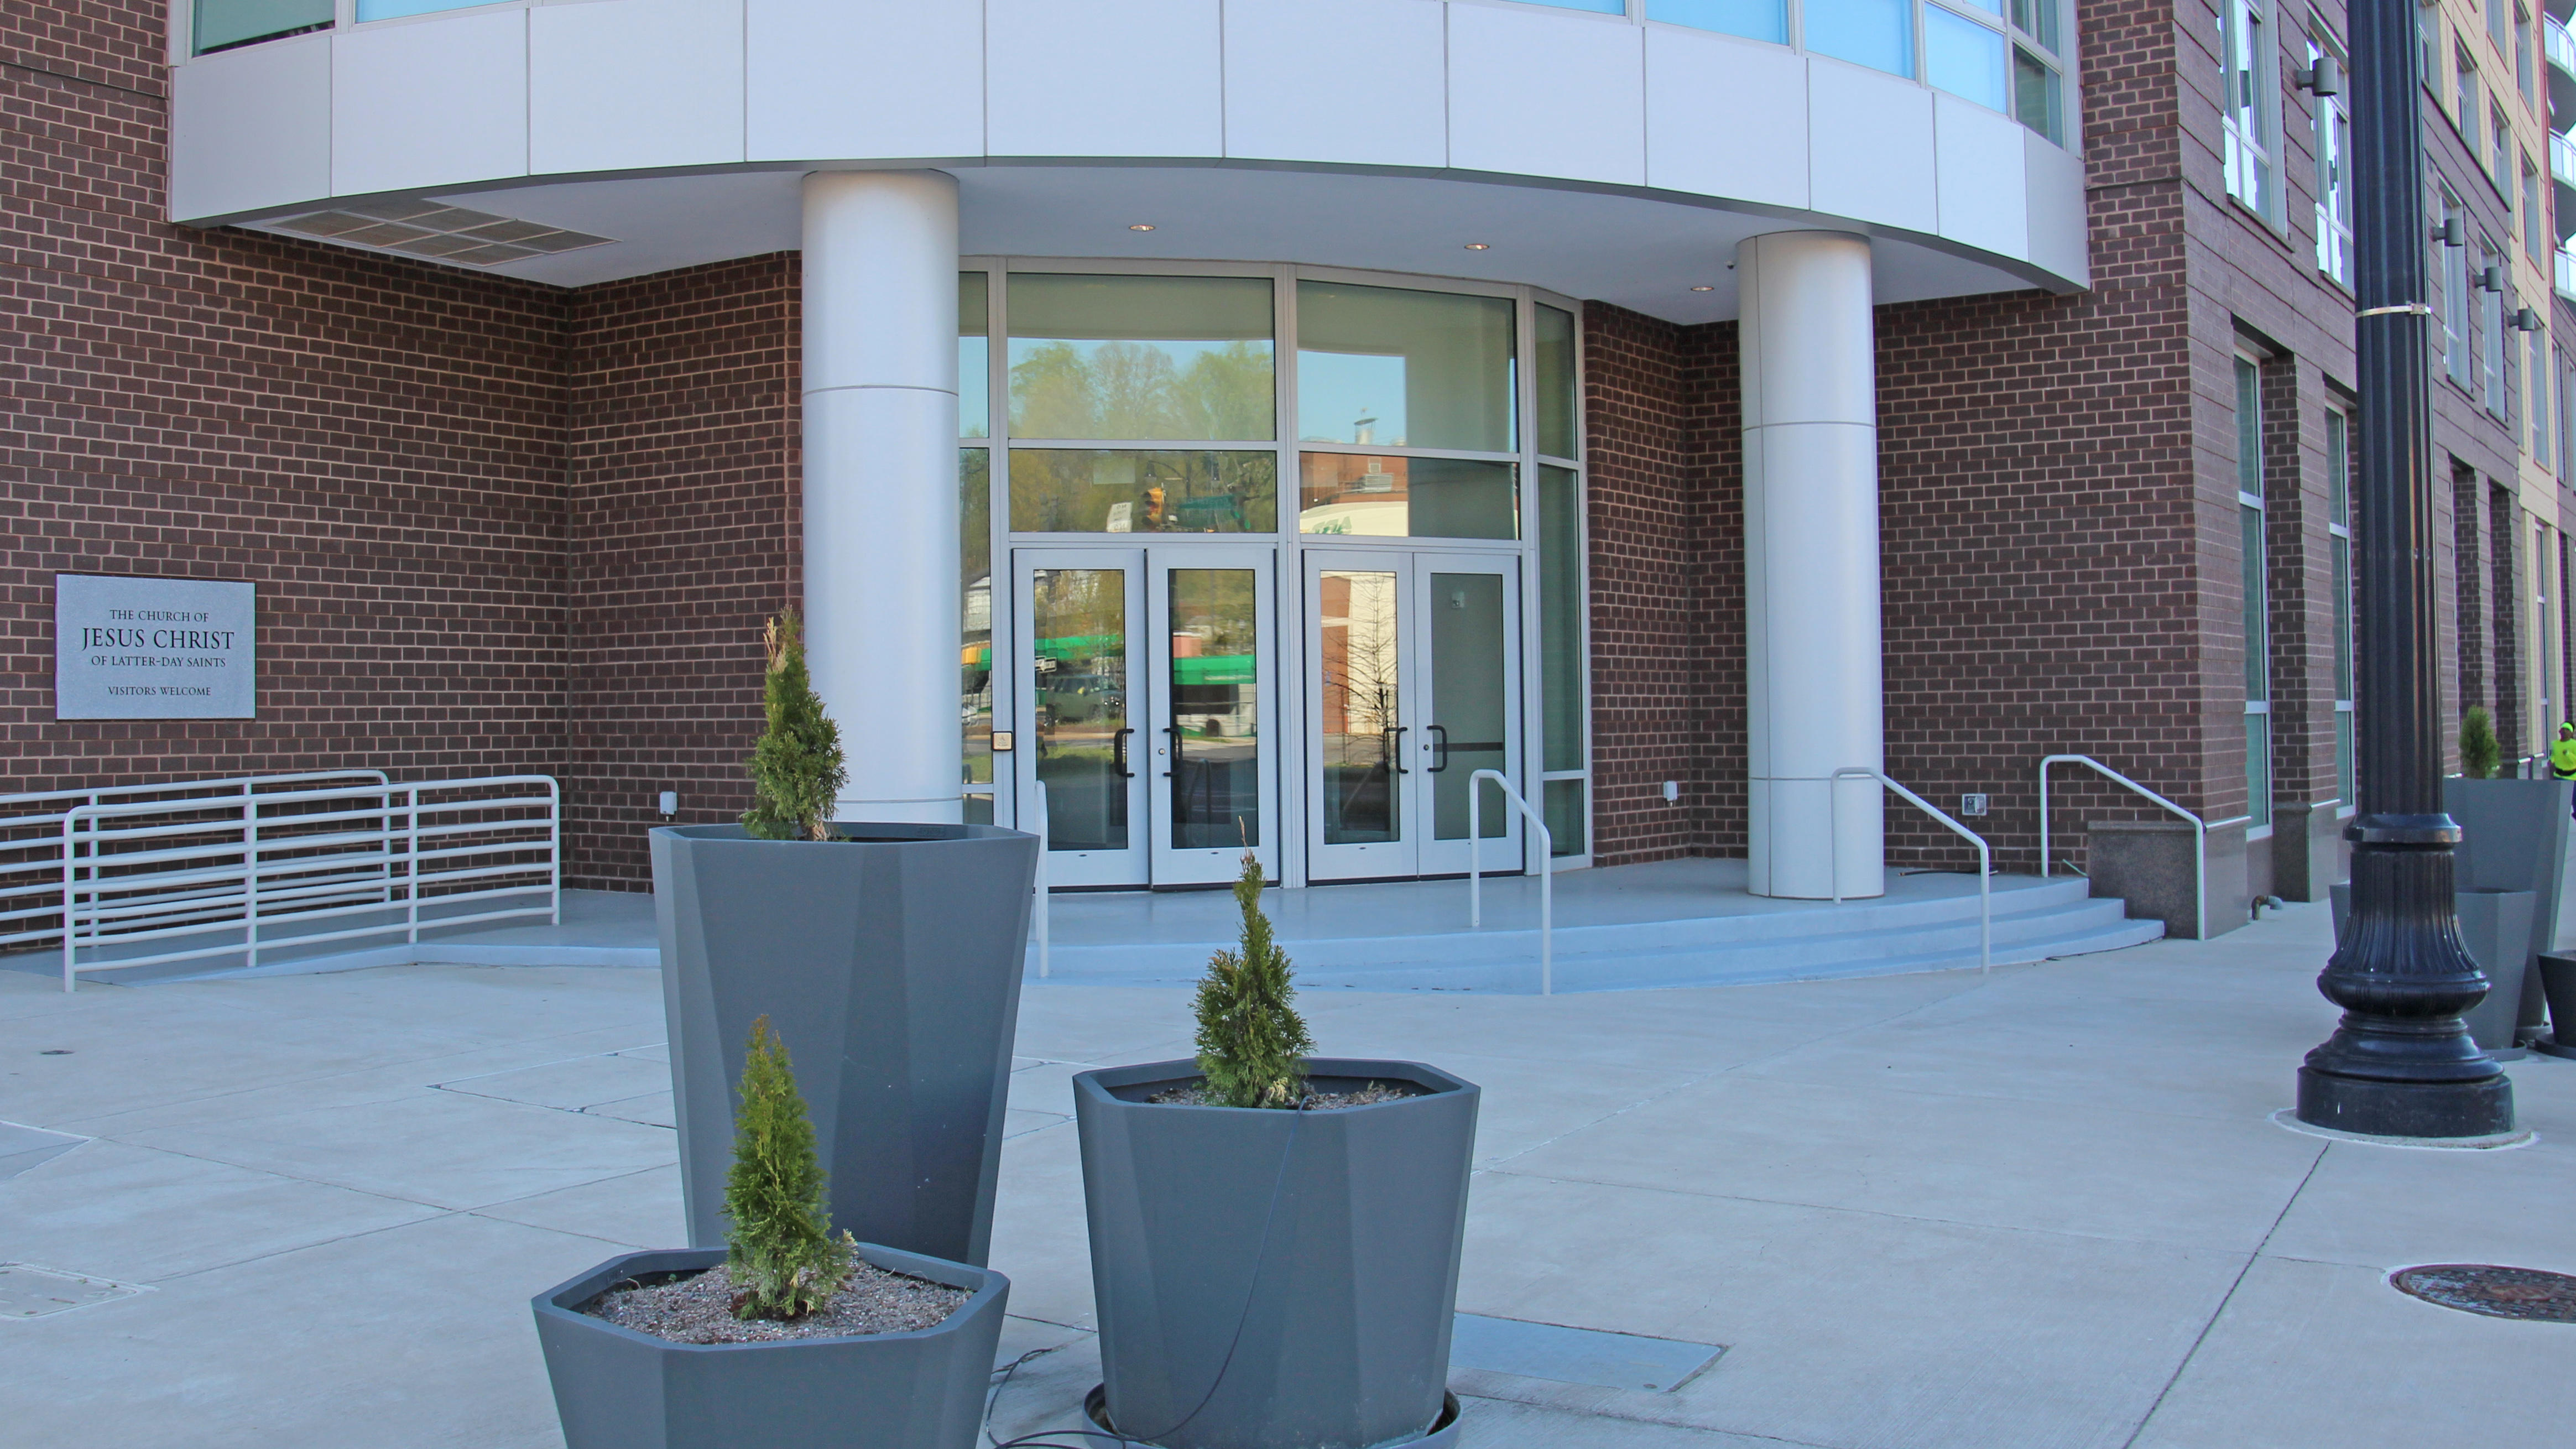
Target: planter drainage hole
{"points": [[2524, 1293]]}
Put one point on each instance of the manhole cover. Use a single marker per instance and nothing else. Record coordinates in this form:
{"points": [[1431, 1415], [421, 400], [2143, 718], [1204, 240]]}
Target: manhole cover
{"points": [[2524, 1293]]}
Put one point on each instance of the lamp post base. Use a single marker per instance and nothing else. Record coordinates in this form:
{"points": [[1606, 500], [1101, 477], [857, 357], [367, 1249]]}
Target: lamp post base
{"points": [[2373, 1108]]}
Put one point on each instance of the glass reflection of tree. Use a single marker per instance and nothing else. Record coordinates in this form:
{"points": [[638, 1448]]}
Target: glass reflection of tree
{"points": [[1215, 709], [1080, 621], [1134, 391], [1360, 706]]}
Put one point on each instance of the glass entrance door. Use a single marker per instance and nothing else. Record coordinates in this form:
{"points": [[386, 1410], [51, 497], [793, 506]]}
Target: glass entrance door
{"points": [[1080, 612], [1147, 709], [1413, 665], [1214, 785]]}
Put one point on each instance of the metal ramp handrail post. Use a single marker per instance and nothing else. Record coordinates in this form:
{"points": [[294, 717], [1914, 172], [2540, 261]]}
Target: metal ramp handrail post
{"points": [[2199, 832], [1985, 856], [1546, 872], [1038, 886]]}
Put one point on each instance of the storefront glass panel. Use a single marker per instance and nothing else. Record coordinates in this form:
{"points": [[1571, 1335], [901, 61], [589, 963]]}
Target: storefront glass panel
{"points": [[1142, 358], [1379, 496], [1107, 490], [1396, 368]]}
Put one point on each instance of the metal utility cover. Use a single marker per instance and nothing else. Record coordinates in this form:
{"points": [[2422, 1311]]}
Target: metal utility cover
{"points": [[1576, 1355]]}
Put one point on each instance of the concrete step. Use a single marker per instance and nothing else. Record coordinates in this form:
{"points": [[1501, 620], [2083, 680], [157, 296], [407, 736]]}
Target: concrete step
{"points": [[2032, 921]]}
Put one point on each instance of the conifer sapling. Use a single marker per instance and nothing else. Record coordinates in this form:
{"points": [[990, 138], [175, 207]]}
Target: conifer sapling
{"points": [[781, 1254], [1252, 1043], [796, 769], [2478, 748]]}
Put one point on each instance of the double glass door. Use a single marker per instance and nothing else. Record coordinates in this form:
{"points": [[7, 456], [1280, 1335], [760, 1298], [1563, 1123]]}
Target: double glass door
{"points": [[1412, 663], [1148, 711]]}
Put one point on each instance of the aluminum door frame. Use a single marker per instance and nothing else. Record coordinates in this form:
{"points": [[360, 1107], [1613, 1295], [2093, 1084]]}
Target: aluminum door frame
{"points": [[1132, 866], [1387, 860], [1503, 854], [1171, 864]]}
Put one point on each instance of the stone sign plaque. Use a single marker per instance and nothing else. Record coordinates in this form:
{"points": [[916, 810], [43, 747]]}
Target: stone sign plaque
{"points": [[137, 648]]}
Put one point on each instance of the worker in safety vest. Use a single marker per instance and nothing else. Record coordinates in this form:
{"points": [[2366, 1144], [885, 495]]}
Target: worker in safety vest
{"points": [[2562, 756]]}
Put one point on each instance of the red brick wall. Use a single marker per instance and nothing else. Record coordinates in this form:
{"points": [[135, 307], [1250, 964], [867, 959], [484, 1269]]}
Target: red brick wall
{"points": [[376, 444], [683, 540]]}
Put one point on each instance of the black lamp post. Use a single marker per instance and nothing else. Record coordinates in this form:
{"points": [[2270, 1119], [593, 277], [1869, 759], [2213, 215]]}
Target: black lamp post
{"points": [[2400, 1064]]}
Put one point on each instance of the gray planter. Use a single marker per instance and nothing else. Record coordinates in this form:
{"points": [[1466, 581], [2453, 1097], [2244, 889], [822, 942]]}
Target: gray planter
{"points": [[1269, 1279], [2514, 836], [890, 965], [619, 1389], [2558, 983]]}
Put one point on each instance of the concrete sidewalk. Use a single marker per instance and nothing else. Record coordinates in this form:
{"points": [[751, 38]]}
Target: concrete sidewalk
{"points": [[2045, 1208]]}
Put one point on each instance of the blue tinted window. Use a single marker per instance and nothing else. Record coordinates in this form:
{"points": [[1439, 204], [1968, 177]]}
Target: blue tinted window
{"points": [[1875, 33], [397, 9], [1753, 19], [1964, 58]]}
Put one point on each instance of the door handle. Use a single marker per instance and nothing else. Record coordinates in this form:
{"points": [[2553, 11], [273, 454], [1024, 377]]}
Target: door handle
{"points": [[1395, 749], [1175, 732], [1442, 746], [1118, 752]]}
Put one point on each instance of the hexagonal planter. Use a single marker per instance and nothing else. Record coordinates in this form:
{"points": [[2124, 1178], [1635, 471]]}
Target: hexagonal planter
{"points": [[1269, 1279], [616, 1388], [890, 964]]}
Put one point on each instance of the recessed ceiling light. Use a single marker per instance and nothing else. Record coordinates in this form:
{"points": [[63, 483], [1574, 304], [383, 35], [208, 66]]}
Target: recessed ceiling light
{"points": [[1480, 246], [1703, 288], [1140, 226]]}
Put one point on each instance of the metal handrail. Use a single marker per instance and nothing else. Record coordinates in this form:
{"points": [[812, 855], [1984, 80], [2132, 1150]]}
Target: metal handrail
{"points": [[192, 877], [2199, 831], [1039, 884], [1546, 874], [1985, 857]]}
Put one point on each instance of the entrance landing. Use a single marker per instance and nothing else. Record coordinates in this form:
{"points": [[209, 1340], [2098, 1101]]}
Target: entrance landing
{"points": [[1631, 927], [1618, 928]]}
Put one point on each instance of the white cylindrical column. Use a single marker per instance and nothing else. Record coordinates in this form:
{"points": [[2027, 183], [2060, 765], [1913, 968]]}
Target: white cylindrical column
{"points": [[1812, 685], [882, 600]]}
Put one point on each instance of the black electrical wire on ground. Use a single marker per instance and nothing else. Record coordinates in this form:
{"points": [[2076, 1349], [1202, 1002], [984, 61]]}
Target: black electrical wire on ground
{"points": [[1056, 1438]]}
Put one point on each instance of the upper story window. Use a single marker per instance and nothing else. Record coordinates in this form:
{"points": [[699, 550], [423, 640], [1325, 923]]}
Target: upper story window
{"points": [[2522, 67], [222, 24], [2245, 37], [2500, 157], [1974, 49], [2535, 214], [2451, 263], [2334, 191], [2490, 282], [1875, 33], [2464, 95], [1752, 19]]}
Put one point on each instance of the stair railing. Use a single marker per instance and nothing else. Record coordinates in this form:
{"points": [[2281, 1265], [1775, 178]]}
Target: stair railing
{"points": [[1546, 874], [1985, 858], [2199, 831]]}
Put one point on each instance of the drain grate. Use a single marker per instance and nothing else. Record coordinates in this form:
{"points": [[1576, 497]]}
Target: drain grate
{"points": [[2527, 1294]]}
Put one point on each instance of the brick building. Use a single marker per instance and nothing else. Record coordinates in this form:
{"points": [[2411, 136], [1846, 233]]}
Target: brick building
{"points": [[528, 356]]}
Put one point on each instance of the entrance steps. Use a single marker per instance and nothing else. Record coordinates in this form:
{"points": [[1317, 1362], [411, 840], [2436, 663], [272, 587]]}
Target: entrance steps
{"points": [[1382, 937]]}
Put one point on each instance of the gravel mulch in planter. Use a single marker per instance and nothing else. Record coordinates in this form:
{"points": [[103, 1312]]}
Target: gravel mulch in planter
{"points": [[1196, 1095], [699, 1308]]}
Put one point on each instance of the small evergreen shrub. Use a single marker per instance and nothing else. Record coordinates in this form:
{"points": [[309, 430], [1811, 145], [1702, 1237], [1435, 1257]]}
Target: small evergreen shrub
{"points": [[1252, 1043], [2478, 749], [796, 768], [780, 1252]]}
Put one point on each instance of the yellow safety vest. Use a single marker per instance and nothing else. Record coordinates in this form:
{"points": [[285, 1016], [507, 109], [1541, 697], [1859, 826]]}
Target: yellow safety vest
{"points": [[2562, 759]]}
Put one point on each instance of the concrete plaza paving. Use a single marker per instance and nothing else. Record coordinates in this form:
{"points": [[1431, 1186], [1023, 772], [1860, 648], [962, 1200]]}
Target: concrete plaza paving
{"points": [[2040, 1208]]}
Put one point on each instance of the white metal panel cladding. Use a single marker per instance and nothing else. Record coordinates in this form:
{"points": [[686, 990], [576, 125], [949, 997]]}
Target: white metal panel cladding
{"points": [[1557, 97]]}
